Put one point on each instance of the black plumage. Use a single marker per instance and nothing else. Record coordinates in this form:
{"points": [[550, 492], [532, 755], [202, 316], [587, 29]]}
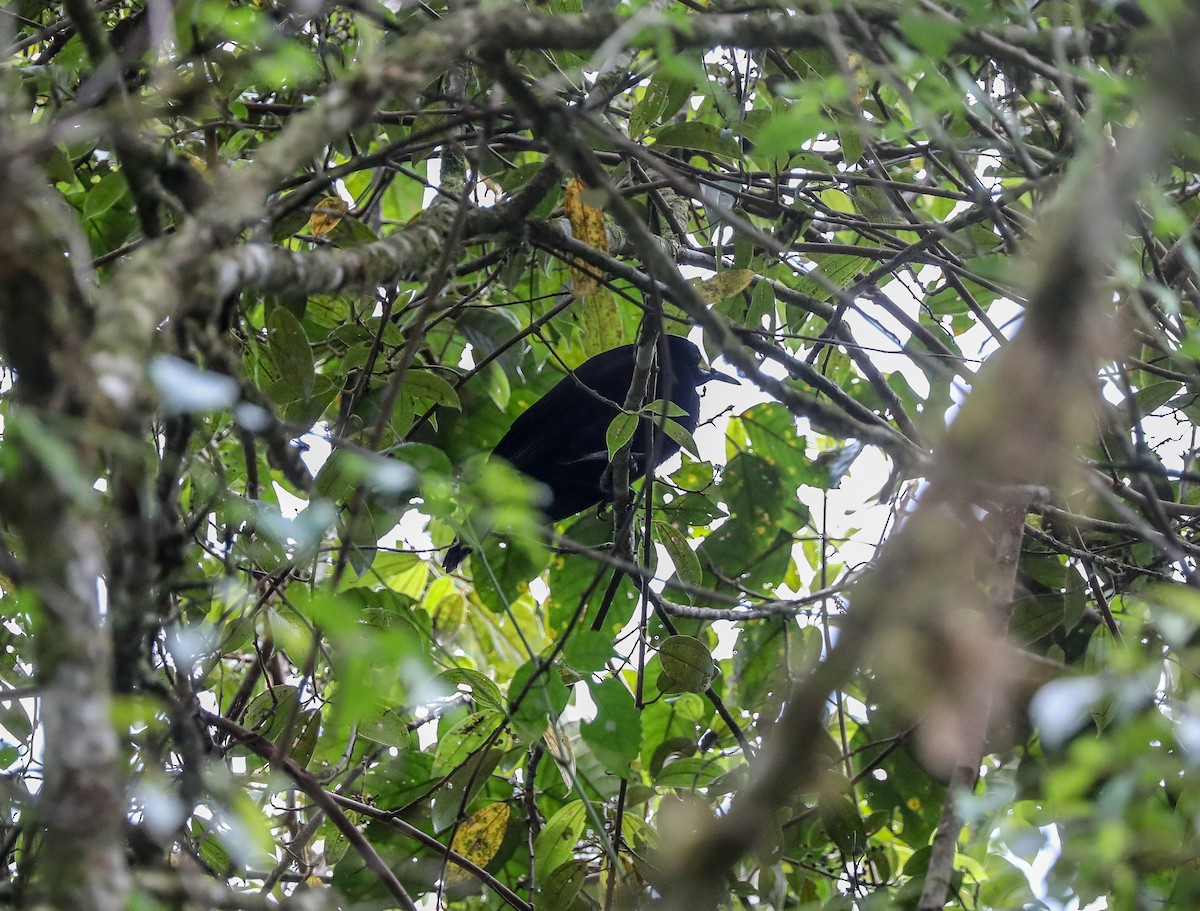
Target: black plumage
{"points": [[560, 439]]}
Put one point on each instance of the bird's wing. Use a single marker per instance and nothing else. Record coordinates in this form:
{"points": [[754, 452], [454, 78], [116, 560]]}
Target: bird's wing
{"points": [[568, 421], [533, 438]]}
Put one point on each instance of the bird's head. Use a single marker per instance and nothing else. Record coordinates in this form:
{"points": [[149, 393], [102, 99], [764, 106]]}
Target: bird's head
{"points": [[687, 359], [709, 373]]}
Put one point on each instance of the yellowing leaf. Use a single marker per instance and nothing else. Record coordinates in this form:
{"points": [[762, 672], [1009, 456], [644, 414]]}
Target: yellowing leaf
{"points": [[602, 326], [478, 839], [724, 285], [587, 225], [326, 215]]}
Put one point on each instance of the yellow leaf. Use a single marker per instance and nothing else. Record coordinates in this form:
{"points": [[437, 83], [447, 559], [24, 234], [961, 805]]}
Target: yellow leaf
{"points": [[326, 215], [587, 225], [724, 285], [478, 839]]}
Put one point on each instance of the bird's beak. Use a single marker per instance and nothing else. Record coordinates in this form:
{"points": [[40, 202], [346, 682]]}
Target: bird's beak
{"points": [[711, 374]]}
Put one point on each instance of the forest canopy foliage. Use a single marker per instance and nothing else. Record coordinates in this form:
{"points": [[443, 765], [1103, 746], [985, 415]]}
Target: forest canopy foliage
{"points": [[910, 622]]}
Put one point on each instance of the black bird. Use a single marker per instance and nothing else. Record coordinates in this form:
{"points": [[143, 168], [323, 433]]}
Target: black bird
{"points": [[560, 439]]}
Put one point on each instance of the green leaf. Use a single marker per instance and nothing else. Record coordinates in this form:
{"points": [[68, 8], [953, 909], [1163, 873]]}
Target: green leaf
{"points": [[835, 463], [502, 570], [615, 734], [834, 270], [291, 352], [687, 564], [409, 581], [455, 792], [329, 311], [558, 889], [681, 435], [556, 843], [447, 613], [483, 689], [339, 476], [773, 437], [1149, 399], [688, 664], [661, 92], [850, 136], [789, 127], [1034, 617], [587, 651], [602, 325], [658, 406], [387, 727], [465, 738], [688, 772], [695, 134], [427, 386], [424, 459], [933, 35], [498, 388], [620, 432], [545, 696], [272, 710], [105, 194], [489, 330], [694, 476]]}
